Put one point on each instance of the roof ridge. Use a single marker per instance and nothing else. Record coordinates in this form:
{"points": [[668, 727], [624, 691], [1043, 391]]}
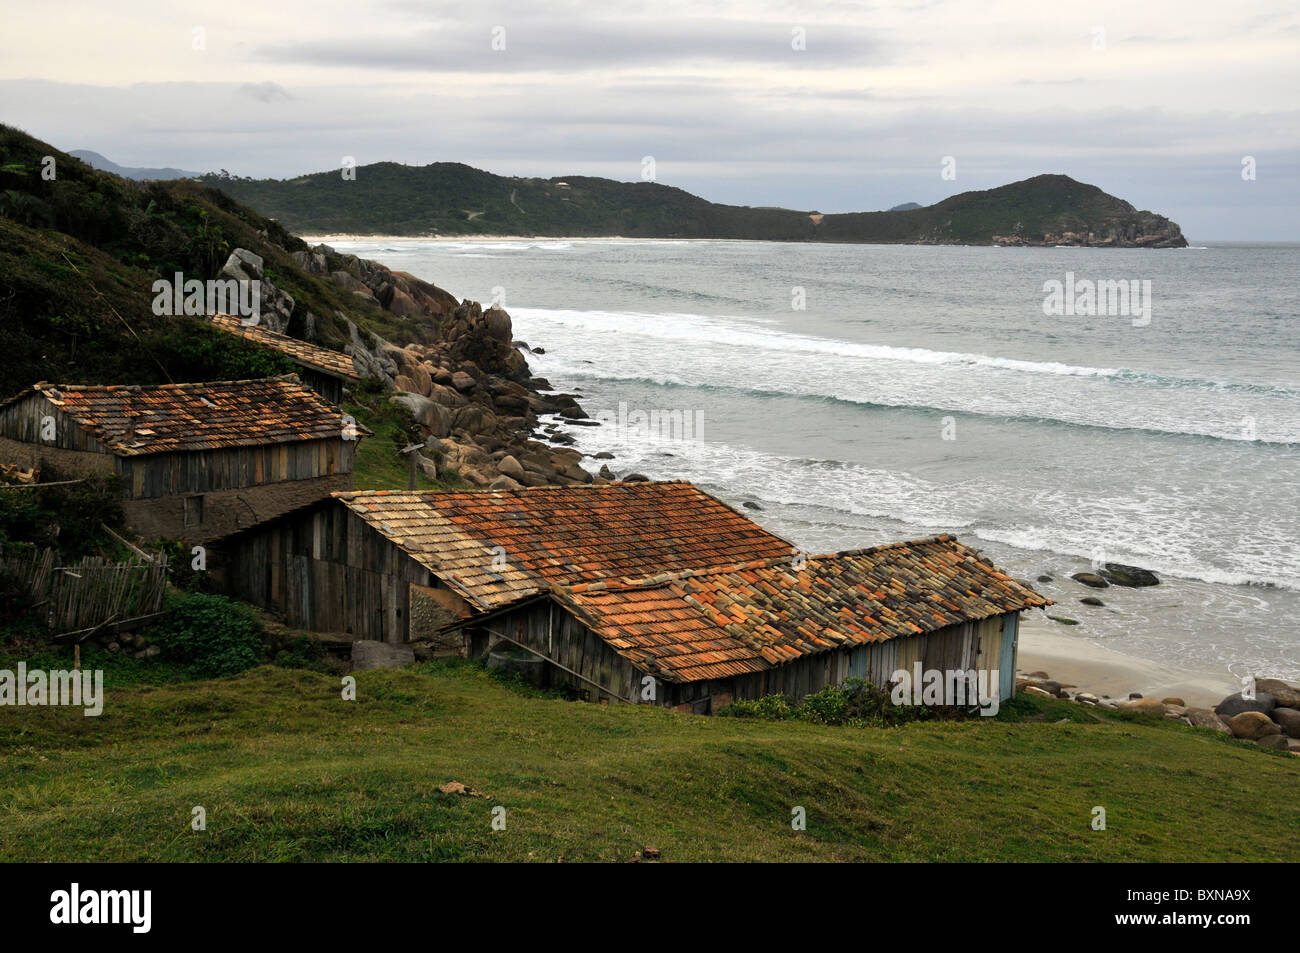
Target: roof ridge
{"points": [[43, 385], [662, 579]]}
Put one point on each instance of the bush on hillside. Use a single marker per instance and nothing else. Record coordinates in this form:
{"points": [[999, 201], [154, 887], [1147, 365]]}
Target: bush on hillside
{"points": [[212, 635], [857, 702]]}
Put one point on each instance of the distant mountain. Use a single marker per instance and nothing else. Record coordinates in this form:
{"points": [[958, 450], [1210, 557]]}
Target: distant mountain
{"points": [[906, 207], [103, 164], [449, 198]]}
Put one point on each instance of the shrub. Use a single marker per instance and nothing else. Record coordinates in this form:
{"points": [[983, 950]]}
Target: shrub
{"points": [[856, 702], [769, 707], [212, 635], [303, 651]]}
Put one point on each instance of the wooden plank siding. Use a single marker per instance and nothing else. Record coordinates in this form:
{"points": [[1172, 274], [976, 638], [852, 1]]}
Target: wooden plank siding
{"points": [[327, 570], [555, 634]]}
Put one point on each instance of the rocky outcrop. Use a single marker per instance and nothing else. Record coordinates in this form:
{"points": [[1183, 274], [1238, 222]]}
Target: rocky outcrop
{"points": [[276, 306]]}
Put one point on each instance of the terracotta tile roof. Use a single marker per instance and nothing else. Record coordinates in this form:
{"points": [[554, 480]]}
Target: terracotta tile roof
{"points": [[133, 420], [320, 359], [745, 618], [561, 535]]}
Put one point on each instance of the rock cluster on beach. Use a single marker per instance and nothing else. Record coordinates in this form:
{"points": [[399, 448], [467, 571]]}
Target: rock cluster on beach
{"points": [[1270, 717]]}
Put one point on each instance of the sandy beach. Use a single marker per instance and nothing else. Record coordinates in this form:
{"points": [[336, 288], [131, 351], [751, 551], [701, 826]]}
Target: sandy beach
{"points": [[327, 239], [1046, 646]]}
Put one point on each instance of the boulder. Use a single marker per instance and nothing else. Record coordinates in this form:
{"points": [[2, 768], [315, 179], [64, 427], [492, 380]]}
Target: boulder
{"points": [[605, 473], [1044, 578], [463, 381], [1174, 701], [1091, 601], [1035, 690], [1204, 718], [368, 654], [1252, 725], [504, 483], [1090, 579], [1051, 686], [636, 478], [1286, 696], [426, 413], [1288, 719], [496, 322], [1280, 742], [1120, 575], [474, 419], [1143, 706], [509, 466], [1234, 704], [447, 396]]}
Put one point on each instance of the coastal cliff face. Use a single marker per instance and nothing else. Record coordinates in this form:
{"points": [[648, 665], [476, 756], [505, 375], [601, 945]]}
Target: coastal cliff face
{"points": [[1137, 230]]}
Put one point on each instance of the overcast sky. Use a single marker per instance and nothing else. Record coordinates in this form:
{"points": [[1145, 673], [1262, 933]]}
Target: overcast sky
{"points": [[1157, 102]]}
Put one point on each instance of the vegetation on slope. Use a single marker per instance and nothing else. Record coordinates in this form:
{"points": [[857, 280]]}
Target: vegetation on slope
{"points": [[79, 254], [448, 198], [287, 770]]}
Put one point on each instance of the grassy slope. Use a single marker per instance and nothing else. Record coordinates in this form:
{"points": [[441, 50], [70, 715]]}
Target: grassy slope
{"points": [[287, 771]]}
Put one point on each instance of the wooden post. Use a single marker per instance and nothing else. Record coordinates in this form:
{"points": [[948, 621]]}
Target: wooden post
{"points": [[413, 466]]}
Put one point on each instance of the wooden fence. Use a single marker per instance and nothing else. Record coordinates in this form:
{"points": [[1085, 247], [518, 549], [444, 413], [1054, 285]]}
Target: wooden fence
{"points": [[93, 593]]}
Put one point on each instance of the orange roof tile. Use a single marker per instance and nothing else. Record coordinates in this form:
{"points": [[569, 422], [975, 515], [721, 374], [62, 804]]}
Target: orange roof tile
{"points": [[777, 613], [562, 535], [136, 420], [307, 355]]}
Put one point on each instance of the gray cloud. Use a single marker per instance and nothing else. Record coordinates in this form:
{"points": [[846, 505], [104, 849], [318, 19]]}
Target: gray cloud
{"points": [[552, 44], [267, 92]]}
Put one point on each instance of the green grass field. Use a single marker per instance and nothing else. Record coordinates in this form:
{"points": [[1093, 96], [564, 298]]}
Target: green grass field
{"points": [[286, 770]]}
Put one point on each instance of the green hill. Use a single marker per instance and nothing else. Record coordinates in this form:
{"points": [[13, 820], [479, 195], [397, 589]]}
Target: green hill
{"points": [[285, 770], [447, 198]]}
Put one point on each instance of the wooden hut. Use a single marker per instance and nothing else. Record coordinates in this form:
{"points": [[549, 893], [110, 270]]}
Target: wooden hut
{"points": [[197, 461], [397, 566], [324, 371], [704, 638]]}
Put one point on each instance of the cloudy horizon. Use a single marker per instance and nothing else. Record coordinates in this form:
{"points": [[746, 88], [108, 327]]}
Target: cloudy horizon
{"points": [[836, 106]]}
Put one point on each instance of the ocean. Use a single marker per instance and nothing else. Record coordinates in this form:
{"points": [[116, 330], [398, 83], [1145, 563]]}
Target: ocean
{"points": [[861, 394]]}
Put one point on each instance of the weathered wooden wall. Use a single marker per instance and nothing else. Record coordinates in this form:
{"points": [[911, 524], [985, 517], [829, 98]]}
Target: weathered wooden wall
{"points": [[584, 660], [326, 385], [22, 421], [556, 635], [325, 569], [208, 471]]}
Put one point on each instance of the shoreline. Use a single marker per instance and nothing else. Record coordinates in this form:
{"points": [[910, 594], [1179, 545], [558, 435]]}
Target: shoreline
{"points": [[326, 239], [370, 239], [1089, 667]]}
